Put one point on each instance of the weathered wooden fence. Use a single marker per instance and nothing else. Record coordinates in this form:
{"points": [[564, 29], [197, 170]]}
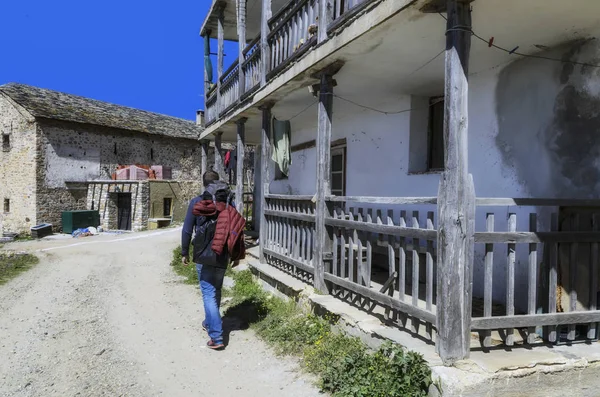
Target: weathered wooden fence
{"points": [[290, 234], [560, 264], [384, 255]]}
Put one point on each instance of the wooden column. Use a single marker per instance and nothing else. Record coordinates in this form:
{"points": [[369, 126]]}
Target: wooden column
{"points": [[220, 53], [241, 152], [325, 18], [206, 82], [265, 50], [456, 198], [204, 155], [219, 166], [265, 178], [322, 250], [241, 28]]}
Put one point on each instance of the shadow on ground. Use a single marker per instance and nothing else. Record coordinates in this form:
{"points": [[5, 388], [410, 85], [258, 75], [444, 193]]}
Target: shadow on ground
{"points": [[240, 317]]}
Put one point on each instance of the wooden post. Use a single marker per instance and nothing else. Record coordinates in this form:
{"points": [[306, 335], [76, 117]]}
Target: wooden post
{"points": [[456, 199], [265, 156], [241, 27], [204, 155], [325, 18], [206, 82], [241, 151], [220, 53], [265, 51], [322, 250], [219, 166]]}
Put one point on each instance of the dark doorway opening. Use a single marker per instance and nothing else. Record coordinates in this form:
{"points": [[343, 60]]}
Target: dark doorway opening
{"points": [[124, 211]]}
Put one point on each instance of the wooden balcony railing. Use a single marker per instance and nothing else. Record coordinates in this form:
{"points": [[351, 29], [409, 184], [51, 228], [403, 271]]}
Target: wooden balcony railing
{"points": [[252, 67], [293, 32], [229, 92]]}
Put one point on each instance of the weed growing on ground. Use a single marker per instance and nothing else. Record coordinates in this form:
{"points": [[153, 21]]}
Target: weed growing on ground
{"points": [[346, 367], [188, 272], [11, 265]]}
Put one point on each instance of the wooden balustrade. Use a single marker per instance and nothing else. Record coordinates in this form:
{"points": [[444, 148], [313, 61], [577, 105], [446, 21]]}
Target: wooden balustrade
{"points": [[212, 111], [293, 32], [252, 67], [290, 234], [557, 262], [229, 93], [385, 256]]}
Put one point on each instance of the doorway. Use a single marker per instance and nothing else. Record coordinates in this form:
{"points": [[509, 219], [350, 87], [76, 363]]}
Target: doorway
{"points": [[124, 211]]}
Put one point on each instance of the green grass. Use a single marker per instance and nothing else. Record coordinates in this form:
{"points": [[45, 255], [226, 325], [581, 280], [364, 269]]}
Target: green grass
{"points": [[11, 265], [187, 272], [344, 365]]}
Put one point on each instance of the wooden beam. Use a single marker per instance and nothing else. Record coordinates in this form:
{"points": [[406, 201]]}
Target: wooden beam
{"points": [[265, 50], [206, 82], [265, 178], [241, 25], [241, 153], [456, 203], [204, 144], [382, 298], [219, 166], [535, 320], [220, 52], [322, 249], [313, 143], [291, 215]]}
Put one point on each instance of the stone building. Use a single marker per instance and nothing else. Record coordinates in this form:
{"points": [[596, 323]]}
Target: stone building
{"points": [[59, 153]]}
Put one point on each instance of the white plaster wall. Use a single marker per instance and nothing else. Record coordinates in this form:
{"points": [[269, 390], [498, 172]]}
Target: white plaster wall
{"points": [[523, 119]]}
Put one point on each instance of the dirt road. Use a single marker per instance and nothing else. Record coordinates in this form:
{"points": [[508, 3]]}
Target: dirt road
{"points": [[106, 316]]}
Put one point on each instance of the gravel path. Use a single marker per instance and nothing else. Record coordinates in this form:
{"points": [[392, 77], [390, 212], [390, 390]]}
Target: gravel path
{"points": [[106, 316]]}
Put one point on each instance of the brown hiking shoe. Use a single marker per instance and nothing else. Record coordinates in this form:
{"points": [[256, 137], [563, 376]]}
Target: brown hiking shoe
{"points": [[215, 345]]}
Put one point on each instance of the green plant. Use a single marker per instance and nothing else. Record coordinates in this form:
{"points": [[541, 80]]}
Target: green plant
{"points": [[11, 265], [347, 368], [188, 272]]}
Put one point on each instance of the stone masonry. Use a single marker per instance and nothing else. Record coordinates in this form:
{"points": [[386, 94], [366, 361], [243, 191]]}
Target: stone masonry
{"points": [[58, 143]]}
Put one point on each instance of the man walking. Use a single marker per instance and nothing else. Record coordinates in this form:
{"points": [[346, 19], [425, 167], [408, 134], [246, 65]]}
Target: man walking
{"points": [[201, 218]]}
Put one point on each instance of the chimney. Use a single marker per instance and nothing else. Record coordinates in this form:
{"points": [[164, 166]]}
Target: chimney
{"points": [[200, 117]]}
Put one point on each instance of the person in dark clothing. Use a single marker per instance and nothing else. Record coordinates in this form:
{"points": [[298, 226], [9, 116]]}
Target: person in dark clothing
{"points": [[210, 266]]}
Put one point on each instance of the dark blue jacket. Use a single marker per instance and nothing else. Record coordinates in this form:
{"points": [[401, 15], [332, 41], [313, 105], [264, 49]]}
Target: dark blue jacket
{"points": [[204, 229]]}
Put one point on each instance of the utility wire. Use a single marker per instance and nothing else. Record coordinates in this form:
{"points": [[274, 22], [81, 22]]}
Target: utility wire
{"points": [[514, 51]]}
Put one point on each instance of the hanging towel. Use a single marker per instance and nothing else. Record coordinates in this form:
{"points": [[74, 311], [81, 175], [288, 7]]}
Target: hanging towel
{"points": [[282, 150]]}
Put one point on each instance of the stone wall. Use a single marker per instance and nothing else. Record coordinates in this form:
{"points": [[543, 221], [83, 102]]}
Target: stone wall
{"points": [[17, 168], [103, 196], [71, 152]]}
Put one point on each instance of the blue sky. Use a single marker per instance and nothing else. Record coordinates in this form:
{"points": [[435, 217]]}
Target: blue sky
{"points": [[145, 54]]}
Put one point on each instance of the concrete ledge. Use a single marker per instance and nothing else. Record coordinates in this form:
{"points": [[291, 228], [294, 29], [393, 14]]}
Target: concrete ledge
{"points": [[540, 371]]}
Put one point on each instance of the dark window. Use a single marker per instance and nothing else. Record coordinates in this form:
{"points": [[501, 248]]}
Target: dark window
{"points": [[6, 205], [338, 171], [5, 142], [167, 204], [151, 154], [435, 144]]}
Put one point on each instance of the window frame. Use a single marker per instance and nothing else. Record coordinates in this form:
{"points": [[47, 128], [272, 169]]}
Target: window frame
{"points": [[434, 104], [336, 151], [170, 201]]}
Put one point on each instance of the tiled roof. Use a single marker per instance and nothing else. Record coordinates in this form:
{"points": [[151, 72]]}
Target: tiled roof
{"points": [[43, 103]]}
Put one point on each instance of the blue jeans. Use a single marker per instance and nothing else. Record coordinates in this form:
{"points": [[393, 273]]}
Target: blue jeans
{"points": [[211, 282]]}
